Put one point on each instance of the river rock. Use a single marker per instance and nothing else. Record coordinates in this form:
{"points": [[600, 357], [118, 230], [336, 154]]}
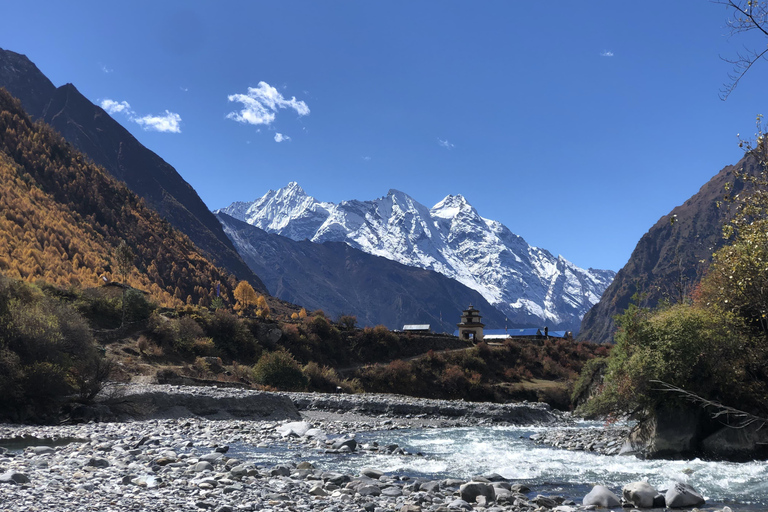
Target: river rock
{"points": [[681, 495], [372, 473], [12, 477], [601, 496], [42, 450], [349, 442], [293, 429], [639, 494], [201, 466], [471, 490]]}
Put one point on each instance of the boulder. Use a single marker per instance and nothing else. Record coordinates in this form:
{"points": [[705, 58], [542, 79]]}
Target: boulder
{"points": [[601, 496], [738, 444], [471, 490], [344, 441], [639, 494], [671, 432], [293, 429], [682, 495]]}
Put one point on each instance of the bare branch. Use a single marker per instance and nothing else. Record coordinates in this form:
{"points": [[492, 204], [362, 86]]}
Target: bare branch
{"points": [[747, 16], [716, 409]]}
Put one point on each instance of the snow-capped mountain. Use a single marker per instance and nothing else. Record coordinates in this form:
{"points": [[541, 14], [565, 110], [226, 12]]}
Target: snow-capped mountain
{"points": [[527, 283]]}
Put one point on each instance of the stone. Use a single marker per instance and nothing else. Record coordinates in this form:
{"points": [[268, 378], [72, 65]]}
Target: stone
{"points": [[672, 432], [201, 466], [410, 508], [460, 504], [349, 442], [212, 457], [432, 486], [97, 462], [293, 429], [682, 495], [318, 490], [280, 471], [372, 473], [392, 492], [602, 497], [738, 444], [42, 450], [639, 494], [369, 490], [305, 465], [13, 477], [545, 501], [471, 490]]}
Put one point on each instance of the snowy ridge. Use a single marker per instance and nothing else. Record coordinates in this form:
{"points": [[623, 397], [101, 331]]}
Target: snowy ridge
{"points": [[527, 283]]}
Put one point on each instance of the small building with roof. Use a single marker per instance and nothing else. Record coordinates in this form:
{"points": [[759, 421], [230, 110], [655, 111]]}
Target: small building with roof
{"points": [[470, 327], [417, 328]]}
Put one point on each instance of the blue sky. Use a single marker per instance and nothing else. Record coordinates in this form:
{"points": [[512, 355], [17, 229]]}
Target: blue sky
{"points": [[576, 124]]}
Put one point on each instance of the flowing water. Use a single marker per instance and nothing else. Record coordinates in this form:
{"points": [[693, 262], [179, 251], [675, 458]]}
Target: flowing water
{"points": [[466, 452]]}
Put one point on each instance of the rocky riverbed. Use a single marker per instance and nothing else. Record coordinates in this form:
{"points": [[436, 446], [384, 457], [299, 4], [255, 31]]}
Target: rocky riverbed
{"points": [[184, 461]]}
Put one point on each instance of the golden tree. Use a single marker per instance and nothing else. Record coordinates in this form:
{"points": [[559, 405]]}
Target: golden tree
{"points": [[245, 296]]}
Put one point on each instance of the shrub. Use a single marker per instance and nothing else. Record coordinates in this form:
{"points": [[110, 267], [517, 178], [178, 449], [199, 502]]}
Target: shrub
{"points": [[280, 370], [321, 378], [694, 348], [232, 337]]}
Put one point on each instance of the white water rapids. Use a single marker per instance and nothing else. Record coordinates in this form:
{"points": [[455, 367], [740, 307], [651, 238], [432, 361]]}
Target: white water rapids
{"points": [[466, 452]]}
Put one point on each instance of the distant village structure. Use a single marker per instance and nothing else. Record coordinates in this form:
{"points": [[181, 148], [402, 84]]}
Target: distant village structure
{"points": [[417, 328], [471, 328]]}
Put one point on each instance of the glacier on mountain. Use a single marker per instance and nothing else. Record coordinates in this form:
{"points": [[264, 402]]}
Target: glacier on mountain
{"points": [[528, 284]]}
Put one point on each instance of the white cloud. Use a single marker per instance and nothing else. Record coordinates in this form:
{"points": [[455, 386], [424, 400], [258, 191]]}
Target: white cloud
{"points": [[260, 105], [113, 107], [185, 89], [367, 158], [170, 122], [105, 69], [279, 137], [445, 143], [606, 53]]}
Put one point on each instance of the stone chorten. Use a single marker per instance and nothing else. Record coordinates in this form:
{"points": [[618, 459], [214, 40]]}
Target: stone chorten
{"points": [[471, 328]]}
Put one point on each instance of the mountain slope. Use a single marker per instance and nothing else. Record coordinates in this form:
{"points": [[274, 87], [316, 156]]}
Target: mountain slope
{"points": [[526, 283], [91, 130], [339, 279], [61, 218], [670, 258]]}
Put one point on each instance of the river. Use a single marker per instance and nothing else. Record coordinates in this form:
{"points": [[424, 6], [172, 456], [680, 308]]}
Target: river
{"points": [[466, 452]]}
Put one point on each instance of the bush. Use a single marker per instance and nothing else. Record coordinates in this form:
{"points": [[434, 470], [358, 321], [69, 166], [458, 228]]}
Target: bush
{"points": [[280, 370], [46, 352], [697, 349], [232, 337], [321, 378]]}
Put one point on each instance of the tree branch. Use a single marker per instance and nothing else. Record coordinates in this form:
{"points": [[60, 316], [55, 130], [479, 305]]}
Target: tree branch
{"points": [[745, 419]]}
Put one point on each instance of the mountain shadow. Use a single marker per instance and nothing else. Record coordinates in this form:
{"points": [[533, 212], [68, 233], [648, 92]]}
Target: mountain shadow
{"points": [[340, 279]]}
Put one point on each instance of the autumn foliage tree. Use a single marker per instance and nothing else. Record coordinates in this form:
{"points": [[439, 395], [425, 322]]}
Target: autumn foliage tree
{"points": [[245, 296], [61, 217]]}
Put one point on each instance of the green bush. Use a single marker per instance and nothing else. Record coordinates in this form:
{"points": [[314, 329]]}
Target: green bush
{"points": [[47, 352], [694, 348], [280, 370]]}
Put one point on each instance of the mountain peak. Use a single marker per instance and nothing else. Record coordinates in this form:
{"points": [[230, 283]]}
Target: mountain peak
{"points": [[452, 239], [450, 206]]}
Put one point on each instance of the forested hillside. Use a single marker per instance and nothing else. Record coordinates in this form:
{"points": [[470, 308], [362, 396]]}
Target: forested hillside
{"points": [[61, 217]]}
